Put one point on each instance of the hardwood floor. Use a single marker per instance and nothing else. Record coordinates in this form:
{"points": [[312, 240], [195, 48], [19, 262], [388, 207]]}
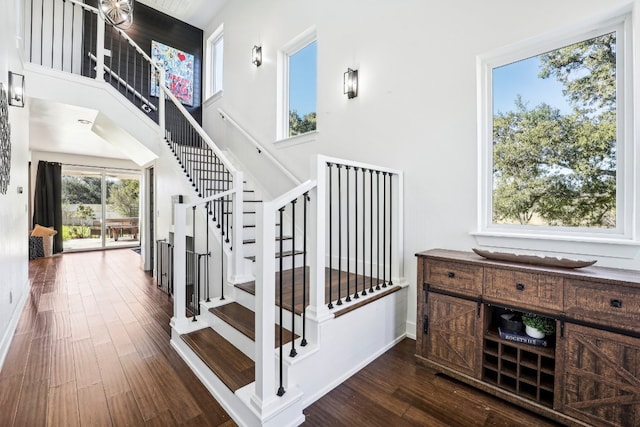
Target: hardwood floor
{"points": [[92, 348]]}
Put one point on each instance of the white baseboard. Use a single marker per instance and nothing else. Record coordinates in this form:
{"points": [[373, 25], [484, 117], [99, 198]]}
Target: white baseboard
{"points": [[7, 338], [411, 330]]}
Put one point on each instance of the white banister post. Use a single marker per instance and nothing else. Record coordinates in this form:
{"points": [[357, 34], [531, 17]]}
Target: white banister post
{"points": [[317, 306], [100, 49], [179, 268], [238, 250], [161, 101], [265, 302], [398, 231]]}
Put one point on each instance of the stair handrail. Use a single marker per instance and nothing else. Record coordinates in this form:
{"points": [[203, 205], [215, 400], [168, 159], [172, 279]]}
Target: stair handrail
{"points": [[125, 84], [226, 117]]}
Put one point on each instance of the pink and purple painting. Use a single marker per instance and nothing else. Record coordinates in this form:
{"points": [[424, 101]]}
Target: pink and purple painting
{"points": [[178, 66]]}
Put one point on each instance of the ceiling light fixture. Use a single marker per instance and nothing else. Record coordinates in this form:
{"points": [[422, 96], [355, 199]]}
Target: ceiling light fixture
{"points": [[84, 122], [256, 56], [118, 13]]}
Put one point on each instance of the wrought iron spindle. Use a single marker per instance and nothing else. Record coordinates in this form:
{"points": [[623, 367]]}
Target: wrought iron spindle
{"points": [[304, 273], [371, 231], [377, 230], [364, 231], [280, 327], [293, 352], [196, 275], [329, 165], [384, 229], [356, 295], [390, 228], [206, 270], [339, 167], [348, 218]]}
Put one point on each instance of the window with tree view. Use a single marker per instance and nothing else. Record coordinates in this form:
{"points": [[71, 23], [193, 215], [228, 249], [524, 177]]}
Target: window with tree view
{"points": [[555, 134], [302, 90]]}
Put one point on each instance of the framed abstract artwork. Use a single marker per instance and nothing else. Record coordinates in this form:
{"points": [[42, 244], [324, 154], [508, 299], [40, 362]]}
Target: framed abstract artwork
{"points": [[5, 142], [178, 66]]}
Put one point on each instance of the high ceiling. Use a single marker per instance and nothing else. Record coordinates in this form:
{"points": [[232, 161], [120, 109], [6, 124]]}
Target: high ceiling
{"points": [[195, 12], [57, 128]]}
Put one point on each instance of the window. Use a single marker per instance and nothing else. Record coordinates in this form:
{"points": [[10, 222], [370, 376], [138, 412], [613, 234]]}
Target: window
{"points": [[554, 132], [215, 50], [298, 86]]}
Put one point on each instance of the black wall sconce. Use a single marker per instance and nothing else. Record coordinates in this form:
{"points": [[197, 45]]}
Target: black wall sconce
{"points": [[16, 89], [351, 83], [256, 55]]}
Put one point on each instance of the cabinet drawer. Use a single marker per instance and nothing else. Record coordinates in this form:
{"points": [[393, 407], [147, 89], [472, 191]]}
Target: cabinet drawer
{"points": [[456, 277], [538, 291], [610, 305]]}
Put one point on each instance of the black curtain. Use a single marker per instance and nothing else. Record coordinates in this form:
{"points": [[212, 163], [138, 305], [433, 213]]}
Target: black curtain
{"points": [[47, 203]]}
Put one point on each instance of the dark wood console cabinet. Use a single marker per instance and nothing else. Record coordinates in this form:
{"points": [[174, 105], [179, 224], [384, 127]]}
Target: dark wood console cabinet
{"points": [[588, 375]]}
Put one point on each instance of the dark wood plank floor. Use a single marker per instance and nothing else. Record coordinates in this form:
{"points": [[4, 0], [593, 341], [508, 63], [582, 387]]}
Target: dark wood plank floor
{"points": [[92, 348]]}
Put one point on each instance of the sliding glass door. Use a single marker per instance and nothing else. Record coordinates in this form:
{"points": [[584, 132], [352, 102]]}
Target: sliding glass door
{"points": [[100, 208]]}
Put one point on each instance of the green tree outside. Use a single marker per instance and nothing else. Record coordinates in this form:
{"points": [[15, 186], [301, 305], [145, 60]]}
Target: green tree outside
{"points": [[560, 169], [124, 197]]}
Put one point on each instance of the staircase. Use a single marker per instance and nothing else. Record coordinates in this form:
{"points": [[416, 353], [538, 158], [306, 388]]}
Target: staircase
{"points": [[281, 298]]}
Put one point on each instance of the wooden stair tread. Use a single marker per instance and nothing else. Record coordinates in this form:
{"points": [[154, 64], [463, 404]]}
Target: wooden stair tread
{"points": [[243, 319], [229, 364]]}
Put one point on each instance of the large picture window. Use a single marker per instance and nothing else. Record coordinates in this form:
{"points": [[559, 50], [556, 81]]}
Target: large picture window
{"points": [[215, 61], [555, 134]]}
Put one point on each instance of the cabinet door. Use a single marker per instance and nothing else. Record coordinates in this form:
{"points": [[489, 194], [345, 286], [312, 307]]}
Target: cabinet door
{"points": [[451, 336], [601, 377]]}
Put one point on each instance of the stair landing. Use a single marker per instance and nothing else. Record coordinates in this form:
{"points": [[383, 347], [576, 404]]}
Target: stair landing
{"points": [[229, 364], [334, 279]]}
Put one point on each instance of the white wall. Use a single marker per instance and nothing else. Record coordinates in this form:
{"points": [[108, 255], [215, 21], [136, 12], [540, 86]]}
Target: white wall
{"points": [[14, 284], [416, 107]]}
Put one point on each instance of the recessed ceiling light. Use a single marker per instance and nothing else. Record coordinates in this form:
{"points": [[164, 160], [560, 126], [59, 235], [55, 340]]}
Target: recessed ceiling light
{"points": [[84, 122]]}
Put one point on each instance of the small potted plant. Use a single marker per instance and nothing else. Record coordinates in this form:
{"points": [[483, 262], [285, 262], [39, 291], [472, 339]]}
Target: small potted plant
{"points": [[538, 326]]}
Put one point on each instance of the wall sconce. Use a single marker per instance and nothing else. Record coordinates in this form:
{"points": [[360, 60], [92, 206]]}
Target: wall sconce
{"points": [[256, 56], [16, 89], [351, 83]]}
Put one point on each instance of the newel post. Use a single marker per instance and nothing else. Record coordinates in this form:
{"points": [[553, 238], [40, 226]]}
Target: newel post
{"points": [[265, 302], [179, 268], [237, 255]]}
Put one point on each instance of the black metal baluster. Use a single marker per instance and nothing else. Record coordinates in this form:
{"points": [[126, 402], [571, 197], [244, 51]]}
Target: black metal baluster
{"points": [[293, 352], [62, 36], [364, 232], [339, 167], [110, 32], [126, 70], [390, 228], [206, 270], [196, 279], [73, 20], [348, 298], [53, 28], [384, 229], [304, 274], [356, 295], [378, 230], [120, 61], [281, 388], [31, 35], [329, 165], [41, 30], [222, 279], [371, 231]]}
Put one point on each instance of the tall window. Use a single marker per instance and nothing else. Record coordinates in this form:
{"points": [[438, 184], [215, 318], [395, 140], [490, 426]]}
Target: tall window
{"points": [[555, 132], [215, 51], [298, 86]]}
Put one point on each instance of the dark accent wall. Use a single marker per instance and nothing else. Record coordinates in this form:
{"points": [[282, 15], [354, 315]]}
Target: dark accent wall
{"points": [[150, 24]]}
